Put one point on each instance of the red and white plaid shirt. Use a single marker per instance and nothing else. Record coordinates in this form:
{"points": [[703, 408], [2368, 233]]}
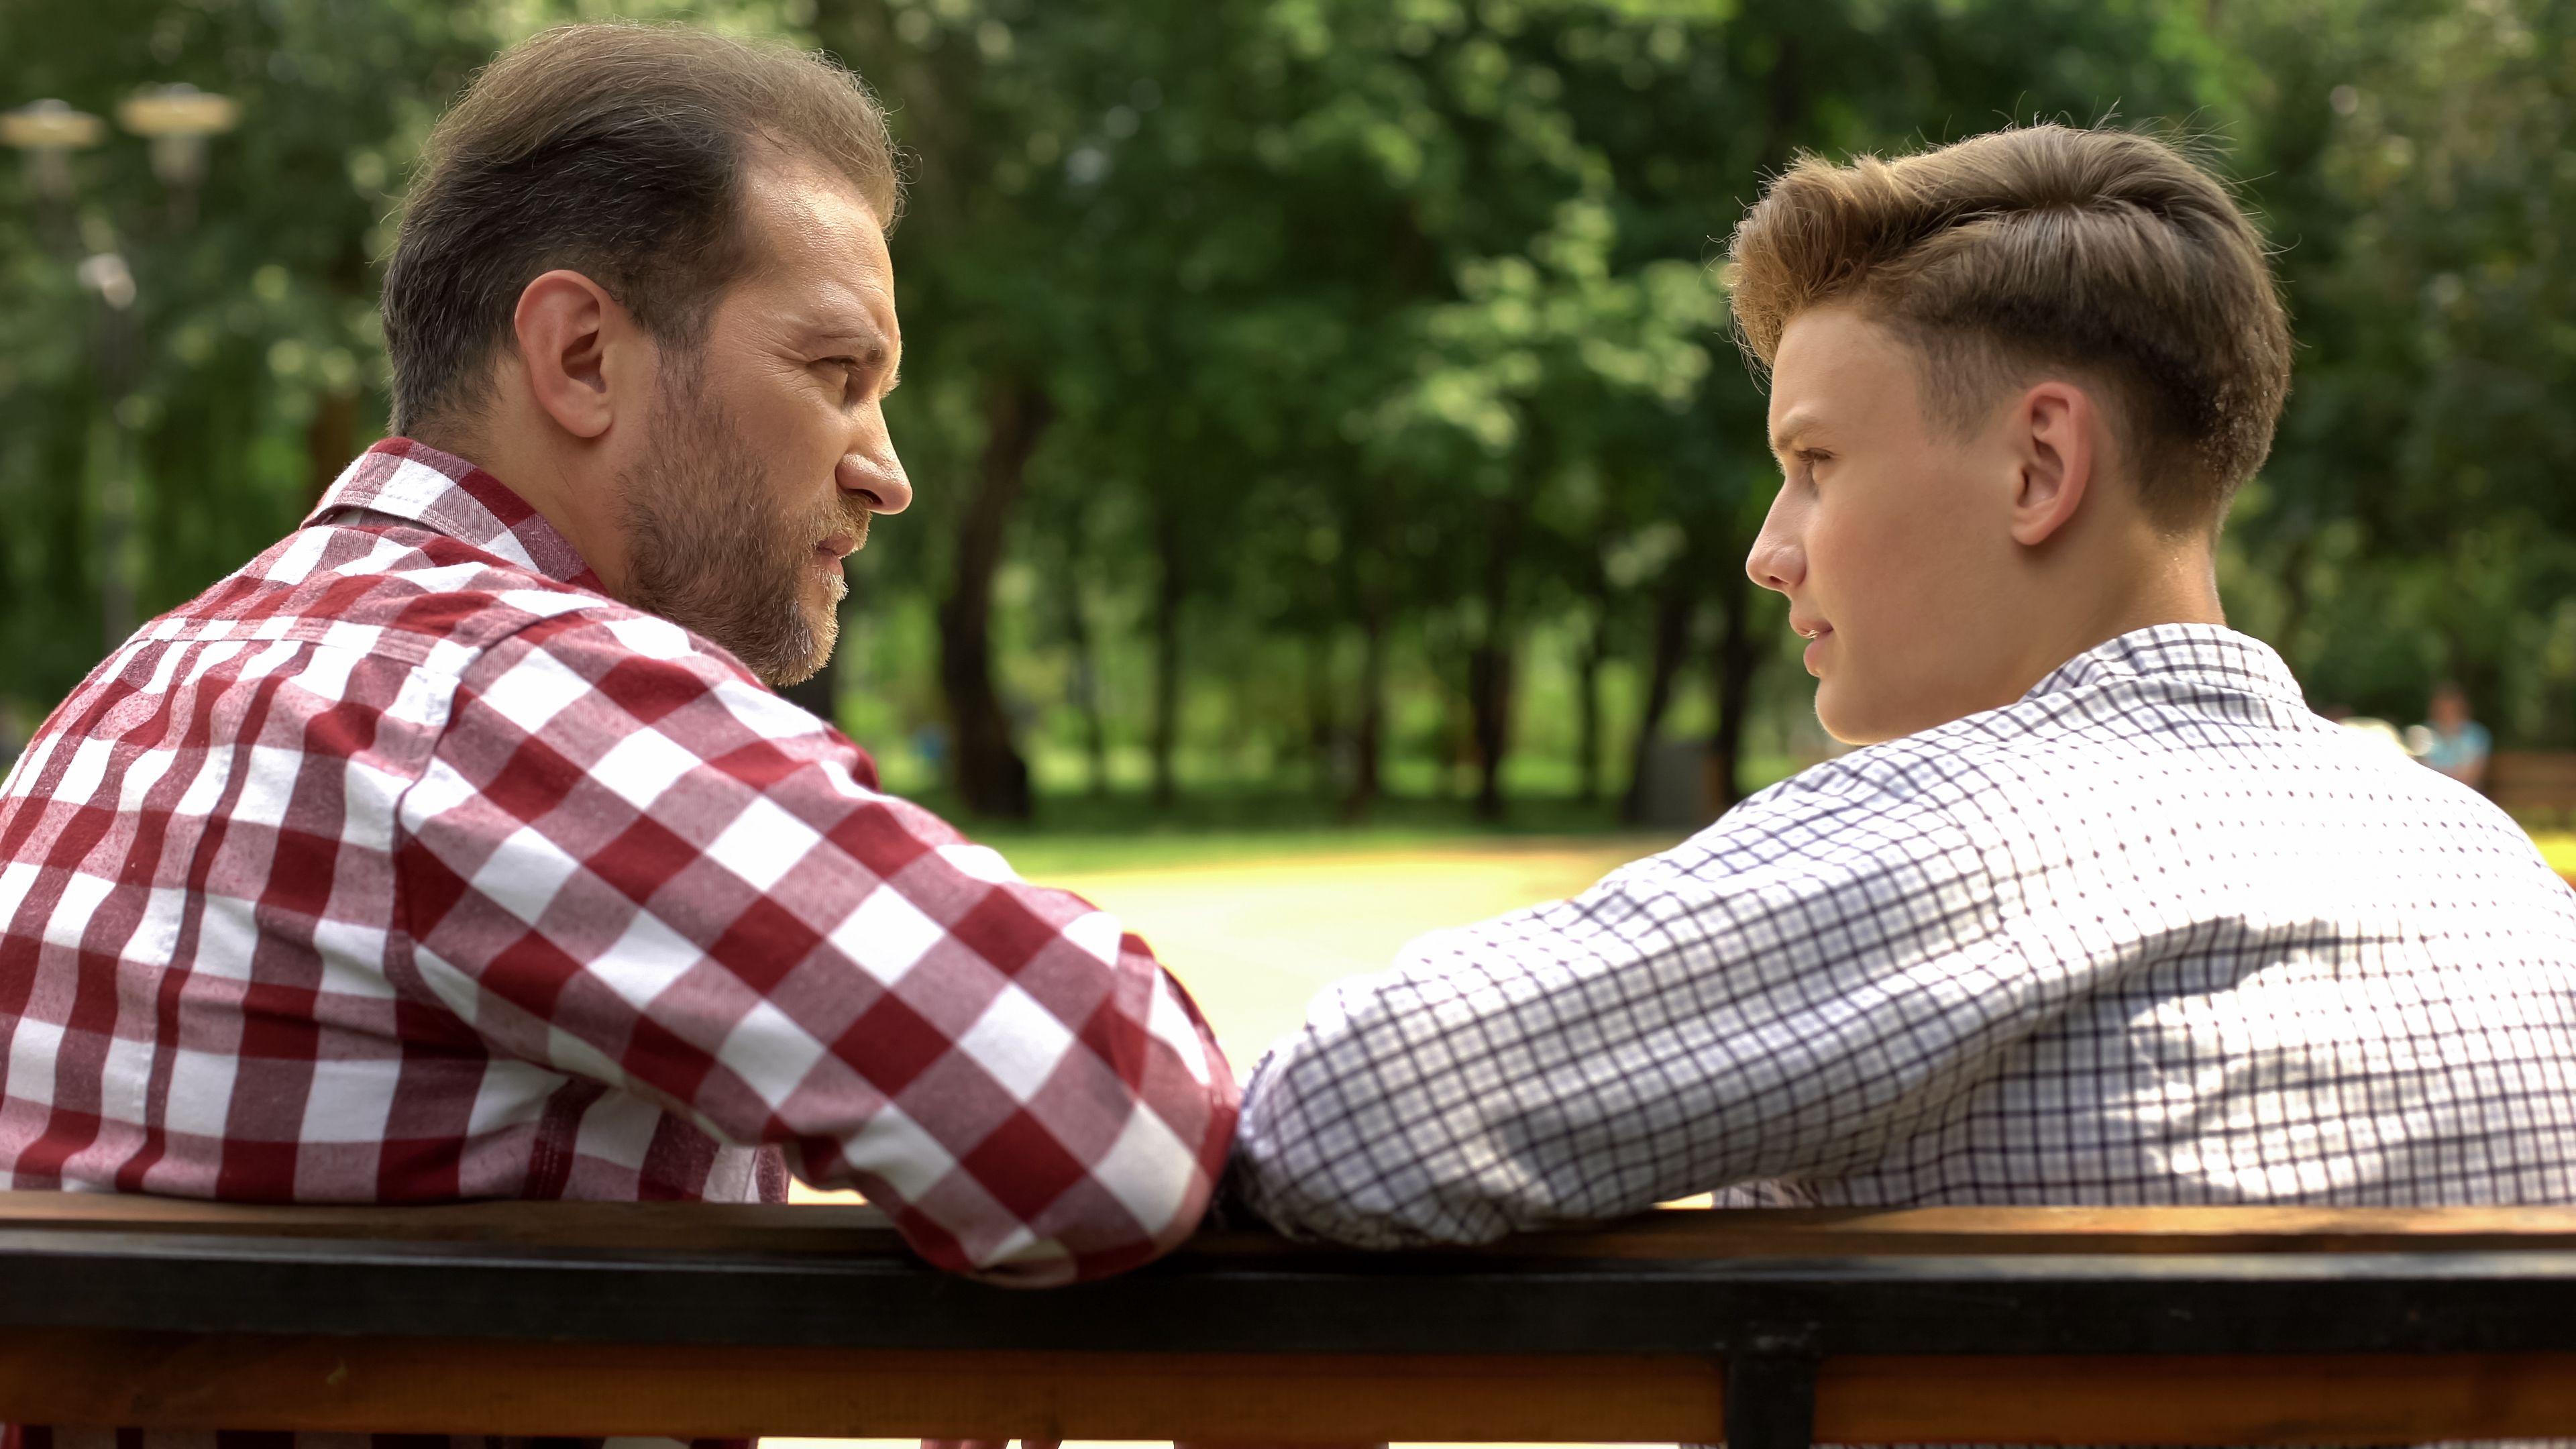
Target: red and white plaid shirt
{"points": [[405, 865]]}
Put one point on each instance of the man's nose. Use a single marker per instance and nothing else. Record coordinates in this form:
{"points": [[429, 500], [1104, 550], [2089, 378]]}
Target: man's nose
{"points": [[878, 478]]}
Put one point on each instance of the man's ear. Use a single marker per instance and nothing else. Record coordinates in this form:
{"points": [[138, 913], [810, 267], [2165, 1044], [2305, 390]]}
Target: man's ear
{"points": [[566, 324], [2054, 429]]}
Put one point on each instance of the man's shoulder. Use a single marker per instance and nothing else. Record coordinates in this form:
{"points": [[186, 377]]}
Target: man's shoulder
{"points": [[392, 588]]}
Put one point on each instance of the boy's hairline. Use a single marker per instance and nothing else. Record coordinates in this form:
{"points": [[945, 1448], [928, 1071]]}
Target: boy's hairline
{"points": [[2012, 372]]}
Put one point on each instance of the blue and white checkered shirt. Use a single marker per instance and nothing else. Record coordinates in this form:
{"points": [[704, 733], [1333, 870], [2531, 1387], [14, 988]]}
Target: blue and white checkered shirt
{"points": [[2154, 934]]}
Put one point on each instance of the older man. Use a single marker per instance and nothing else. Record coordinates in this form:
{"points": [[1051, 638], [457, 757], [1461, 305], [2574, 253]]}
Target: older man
{"points": [[455, 847]]}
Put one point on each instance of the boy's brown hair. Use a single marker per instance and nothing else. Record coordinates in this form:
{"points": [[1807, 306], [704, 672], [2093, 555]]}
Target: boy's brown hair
{"points": [[617, 150], [2106, 253]]}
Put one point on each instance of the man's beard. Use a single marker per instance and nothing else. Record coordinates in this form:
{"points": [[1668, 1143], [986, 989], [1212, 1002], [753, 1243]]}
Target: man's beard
{"points": [[706, 550]]}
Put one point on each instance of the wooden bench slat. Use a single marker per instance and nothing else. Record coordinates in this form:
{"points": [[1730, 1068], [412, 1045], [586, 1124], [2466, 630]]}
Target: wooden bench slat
{"points": [[1677, 1234], [434, 1386], [2533, 780], [2300, 1325]]}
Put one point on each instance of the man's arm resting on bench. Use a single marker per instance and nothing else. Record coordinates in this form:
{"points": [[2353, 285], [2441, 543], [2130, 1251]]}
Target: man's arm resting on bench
{"points": [[722, 915]]}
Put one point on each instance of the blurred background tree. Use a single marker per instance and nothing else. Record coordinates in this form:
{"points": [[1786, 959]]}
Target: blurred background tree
{"points": [[1323, 409]]}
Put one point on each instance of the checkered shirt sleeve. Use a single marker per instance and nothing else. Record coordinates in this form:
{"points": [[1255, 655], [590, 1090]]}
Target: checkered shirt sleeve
{"points": [[2155, 934], [405, 866], [630, 863]]}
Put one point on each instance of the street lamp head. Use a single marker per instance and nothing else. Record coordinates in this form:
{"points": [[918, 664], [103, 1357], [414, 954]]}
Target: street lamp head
{"points": [[177, 119], [48, 131], [177, 110], [51, 125]]}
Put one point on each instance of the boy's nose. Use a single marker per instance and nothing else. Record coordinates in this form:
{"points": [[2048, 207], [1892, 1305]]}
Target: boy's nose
{"points": [[1776, 563]]}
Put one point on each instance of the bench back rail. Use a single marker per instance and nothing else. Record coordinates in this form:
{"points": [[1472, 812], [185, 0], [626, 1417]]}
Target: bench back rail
{"points": [[2248, 1325]]}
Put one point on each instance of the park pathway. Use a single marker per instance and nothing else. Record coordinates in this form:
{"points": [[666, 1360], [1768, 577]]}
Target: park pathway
{"points": [[1254, 940]]}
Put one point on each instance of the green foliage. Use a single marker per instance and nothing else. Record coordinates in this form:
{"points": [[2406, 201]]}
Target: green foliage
{"points": [[1392, 401], [2416, 520], [260, 359]]}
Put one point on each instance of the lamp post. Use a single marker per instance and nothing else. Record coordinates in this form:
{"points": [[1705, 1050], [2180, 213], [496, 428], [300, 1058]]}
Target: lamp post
{"points": [[47, 133], [177, 120]]}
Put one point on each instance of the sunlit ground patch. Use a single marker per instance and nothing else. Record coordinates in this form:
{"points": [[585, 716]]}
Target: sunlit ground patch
{"points": [[2559, 846]]}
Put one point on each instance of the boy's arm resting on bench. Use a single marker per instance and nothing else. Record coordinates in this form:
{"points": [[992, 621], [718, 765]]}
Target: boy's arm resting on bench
{"points": [[719, 913], [1784, 994]]}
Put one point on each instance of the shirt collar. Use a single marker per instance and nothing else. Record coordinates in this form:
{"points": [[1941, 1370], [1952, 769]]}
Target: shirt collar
{"points": [[445, 494], [2206, 654]]}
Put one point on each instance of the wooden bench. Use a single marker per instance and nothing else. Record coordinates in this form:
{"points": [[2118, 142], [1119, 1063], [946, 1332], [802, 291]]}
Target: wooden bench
{"points": [[2190, 1325], [2534, 784]]}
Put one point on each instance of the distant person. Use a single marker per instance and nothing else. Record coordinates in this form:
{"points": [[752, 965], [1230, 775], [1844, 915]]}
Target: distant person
{"points": [[458, 847], [2454, 743], [2102, 912]]}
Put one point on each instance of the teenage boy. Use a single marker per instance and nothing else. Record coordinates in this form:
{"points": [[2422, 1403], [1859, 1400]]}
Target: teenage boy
{"points": [[2100, 914]]}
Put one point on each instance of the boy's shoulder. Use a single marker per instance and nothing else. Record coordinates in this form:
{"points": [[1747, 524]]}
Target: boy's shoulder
{"points": [[2174, 768], [2166, 721]]}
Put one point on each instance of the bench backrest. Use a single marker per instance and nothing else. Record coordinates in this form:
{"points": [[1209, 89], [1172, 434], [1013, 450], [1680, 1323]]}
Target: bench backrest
{"points": [[2074, 1324], [2533, 782]]}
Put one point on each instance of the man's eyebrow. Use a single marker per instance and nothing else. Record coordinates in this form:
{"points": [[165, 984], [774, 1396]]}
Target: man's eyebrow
{"points": [[858, 336], [872, 344]]}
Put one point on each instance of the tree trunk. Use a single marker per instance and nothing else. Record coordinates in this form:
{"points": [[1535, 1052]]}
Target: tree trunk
{"points": [[1739, 659], [1168, 545], [991, 777], [1489, 664], [1489, 699], [1368, 736], [1323, 719], [1587, 703], [2295, 588], [1086, 678], [330, 441], [1675, 603]]}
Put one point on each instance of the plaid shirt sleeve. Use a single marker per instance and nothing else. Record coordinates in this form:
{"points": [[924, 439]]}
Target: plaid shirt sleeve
{"points": [[1782, 995], [2154, 934], [627, 861]]}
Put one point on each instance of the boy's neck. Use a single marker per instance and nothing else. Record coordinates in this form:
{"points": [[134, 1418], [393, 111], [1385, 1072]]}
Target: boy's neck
{"points": [[2175, 583]]}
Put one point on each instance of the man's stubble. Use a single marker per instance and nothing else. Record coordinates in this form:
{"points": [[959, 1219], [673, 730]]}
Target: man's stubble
{"points": [[708, 551]]}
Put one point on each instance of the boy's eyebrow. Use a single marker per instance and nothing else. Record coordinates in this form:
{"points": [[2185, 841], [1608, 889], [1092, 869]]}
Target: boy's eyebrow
{"points": [[1797, 421]]}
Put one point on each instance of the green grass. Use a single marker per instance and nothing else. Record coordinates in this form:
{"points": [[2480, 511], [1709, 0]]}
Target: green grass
{"points": [[1042, 854], [1123, 831], [2559, 847]]}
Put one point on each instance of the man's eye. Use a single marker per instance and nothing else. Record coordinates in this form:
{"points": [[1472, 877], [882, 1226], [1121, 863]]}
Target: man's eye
{"points": [[853, 376]]}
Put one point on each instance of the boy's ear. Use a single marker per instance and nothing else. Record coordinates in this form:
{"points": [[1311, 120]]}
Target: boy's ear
{"points": [[2054, 428]]}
